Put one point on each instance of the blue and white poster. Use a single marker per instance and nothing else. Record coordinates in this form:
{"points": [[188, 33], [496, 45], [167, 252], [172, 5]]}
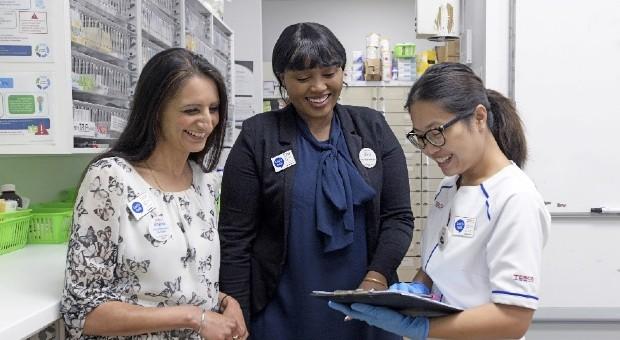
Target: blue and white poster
{"points": [[24, 31], [26, 108]]}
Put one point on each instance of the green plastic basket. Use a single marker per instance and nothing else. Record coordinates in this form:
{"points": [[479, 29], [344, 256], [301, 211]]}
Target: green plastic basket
{"points": [[55, 205], [13, 230], [50, 225], [404, 50]]}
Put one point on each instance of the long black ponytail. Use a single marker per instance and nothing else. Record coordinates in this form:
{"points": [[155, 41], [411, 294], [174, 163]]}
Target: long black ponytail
{"points": [[457, 89]]}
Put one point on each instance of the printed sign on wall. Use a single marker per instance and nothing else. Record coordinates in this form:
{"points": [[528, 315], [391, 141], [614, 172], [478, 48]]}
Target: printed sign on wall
{"points": [[25, 108], [24, 31]]}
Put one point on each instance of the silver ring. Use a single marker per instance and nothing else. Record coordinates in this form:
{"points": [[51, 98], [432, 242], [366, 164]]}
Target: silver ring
{"points": [[236, 337]]}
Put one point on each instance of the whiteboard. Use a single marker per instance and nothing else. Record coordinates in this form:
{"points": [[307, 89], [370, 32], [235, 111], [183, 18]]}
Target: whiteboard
{"points": [[567, 90]]}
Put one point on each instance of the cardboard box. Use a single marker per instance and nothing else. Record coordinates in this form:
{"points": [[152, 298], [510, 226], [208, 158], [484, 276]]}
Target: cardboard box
{"points": [[372, 77], [450, 52], [372, 66], [372, 69], [453, 48]]}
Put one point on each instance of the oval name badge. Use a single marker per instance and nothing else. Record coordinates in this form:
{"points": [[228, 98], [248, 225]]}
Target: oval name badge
{"points": [[368, 158], [159, 229]]}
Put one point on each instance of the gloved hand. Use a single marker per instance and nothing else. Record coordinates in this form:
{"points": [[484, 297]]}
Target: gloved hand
{"points": [[385, 318], [415, 287]]}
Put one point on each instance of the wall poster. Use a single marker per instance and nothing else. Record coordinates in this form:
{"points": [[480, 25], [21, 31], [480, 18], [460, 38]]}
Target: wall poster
{"points": [[26, 105], [24, 31]]}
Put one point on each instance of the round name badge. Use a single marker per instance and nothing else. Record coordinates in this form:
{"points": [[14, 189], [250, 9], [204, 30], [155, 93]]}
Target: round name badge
{"points": [[159, 229], [368, 158]]}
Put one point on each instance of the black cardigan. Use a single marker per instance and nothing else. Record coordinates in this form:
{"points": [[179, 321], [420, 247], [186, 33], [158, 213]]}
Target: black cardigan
{"points": [[256, 201]]}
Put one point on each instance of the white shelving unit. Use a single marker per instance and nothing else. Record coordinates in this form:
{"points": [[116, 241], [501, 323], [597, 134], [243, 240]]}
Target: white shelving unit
{"points": [[99, 54]]}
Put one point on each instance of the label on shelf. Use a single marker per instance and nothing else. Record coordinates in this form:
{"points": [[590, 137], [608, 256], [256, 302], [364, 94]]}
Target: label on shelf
{"points": [[117, 124], [84, 129]]}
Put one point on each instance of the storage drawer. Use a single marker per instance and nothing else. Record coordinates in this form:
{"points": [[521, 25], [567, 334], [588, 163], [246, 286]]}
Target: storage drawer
{"points": [[391, 105], [398, 119], [400, 93]]}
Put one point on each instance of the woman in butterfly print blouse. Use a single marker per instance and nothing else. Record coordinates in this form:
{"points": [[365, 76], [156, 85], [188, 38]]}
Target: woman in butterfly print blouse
{"points": [[144, 254]]}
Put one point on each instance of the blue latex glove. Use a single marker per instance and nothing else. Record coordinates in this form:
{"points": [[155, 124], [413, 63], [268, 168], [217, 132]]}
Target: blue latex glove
{"points": [[385, 318], [415, 287]]}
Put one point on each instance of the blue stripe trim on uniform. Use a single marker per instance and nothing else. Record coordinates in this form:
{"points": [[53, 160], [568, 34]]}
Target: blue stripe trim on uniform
{"points": [[431, 255], [514, 294], [484, 191], [442, 187]]}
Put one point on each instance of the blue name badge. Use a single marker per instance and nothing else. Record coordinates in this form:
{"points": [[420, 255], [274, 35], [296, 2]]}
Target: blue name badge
{"points": [[464, 226], [140, 206], [283, 161]]}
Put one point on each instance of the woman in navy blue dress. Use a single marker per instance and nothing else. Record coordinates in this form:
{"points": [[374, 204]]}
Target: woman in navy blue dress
{"points": [[315, 196]]}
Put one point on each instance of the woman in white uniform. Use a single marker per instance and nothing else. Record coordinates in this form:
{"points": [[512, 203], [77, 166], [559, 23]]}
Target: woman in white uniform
{"points": [[482, 246], [144, 254]]}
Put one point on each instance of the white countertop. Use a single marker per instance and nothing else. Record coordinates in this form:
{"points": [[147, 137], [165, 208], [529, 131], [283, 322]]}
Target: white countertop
{"points": [[31, 281]]}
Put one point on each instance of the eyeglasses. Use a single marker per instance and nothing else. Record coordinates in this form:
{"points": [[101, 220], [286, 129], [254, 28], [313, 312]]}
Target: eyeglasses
{"points": [[433, 136]]}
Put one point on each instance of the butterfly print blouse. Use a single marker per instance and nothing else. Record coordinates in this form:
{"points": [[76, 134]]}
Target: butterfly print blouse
{"points": [[168, 255]]}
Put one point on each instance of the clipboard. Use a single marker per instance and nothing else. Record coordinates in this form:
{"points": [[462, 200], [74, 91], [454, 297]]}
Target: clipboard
{"points": [[403, 302]]}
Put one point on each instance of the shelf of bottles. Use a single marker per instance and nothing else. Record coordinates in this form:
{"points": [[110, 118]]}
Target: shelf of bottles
{"points": [[103, 69], [111, 40], [208, 36]]}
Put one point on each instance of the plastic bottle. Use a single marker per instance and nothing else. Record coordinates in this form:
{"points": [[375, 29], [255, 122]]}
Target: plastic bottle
{"points": [[9, 194]]}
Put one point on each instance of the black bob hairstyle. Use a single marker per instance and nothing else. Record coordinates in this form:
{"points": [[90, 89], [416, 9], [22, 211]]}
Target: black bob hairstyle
{"points": [[306, 45]]}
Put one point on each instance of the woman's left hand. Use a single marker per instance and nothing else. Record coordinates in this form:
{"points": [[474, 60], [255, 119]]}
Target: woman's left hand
{"points": [[367, 285], [232, 309], [373, 281]]}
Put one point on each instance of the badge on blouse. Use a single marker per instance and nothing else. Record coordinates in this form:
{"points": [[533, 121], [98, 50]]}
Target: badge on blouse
{"points": [[368, 158], [283, 161], [464, 226], [159, 229], [140, 206]]}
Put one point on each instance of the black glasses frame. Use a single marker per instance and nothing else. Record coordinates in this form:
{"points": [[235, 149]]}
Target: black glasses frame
{"points": [[420, 141]]}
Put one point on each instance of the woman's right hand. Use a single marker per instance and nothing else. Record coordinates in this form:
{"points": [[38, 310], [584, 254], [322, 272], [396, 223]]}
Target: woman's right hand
{"points": [[218, 327]]}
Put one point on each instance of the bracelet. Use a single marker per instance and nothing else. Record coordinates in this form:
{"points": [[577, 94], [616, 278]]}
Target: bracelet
{"points": [[222, 302], [371, 279], [202, 320]]}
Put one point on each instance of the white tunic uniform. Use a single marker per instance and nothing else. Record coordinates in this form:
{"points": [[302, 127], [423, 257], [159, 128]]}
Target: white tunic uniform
{"points": [[484, 243]]}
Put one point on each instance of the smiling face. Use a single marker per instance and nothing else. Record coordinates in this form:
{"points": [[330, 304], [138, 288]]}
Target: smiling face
{"points": [[190, 116], [464, 140], [314, 92]]}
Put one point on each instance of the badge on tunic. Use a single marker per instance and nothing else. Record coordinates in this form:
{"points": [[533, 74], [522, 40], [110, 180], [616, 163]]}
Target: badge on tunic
{"points": [[283, 161], [464, 226], [368, 158]]}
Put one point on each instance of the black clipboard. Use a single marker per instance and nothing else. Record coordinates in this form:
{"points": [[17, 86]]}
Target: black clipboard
{"points": [[403, 302]]}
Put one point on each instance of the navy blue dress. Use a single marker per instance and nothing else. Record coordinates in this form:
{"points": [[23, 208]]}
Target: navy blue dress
{"points": [[326, 245]]}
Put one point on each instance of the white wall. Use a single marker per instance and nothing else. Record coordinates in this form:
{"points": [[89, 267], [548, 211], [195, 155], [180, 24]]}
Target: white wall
{"points": [[497, 45], [473, 19], [350, 20], [42, 177], [243, 17]]}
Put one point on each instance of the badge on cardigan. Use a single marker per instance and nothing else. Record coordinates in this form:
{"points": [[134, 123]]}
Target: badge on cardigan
{"points": [[368, 158], [283, 161]]}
